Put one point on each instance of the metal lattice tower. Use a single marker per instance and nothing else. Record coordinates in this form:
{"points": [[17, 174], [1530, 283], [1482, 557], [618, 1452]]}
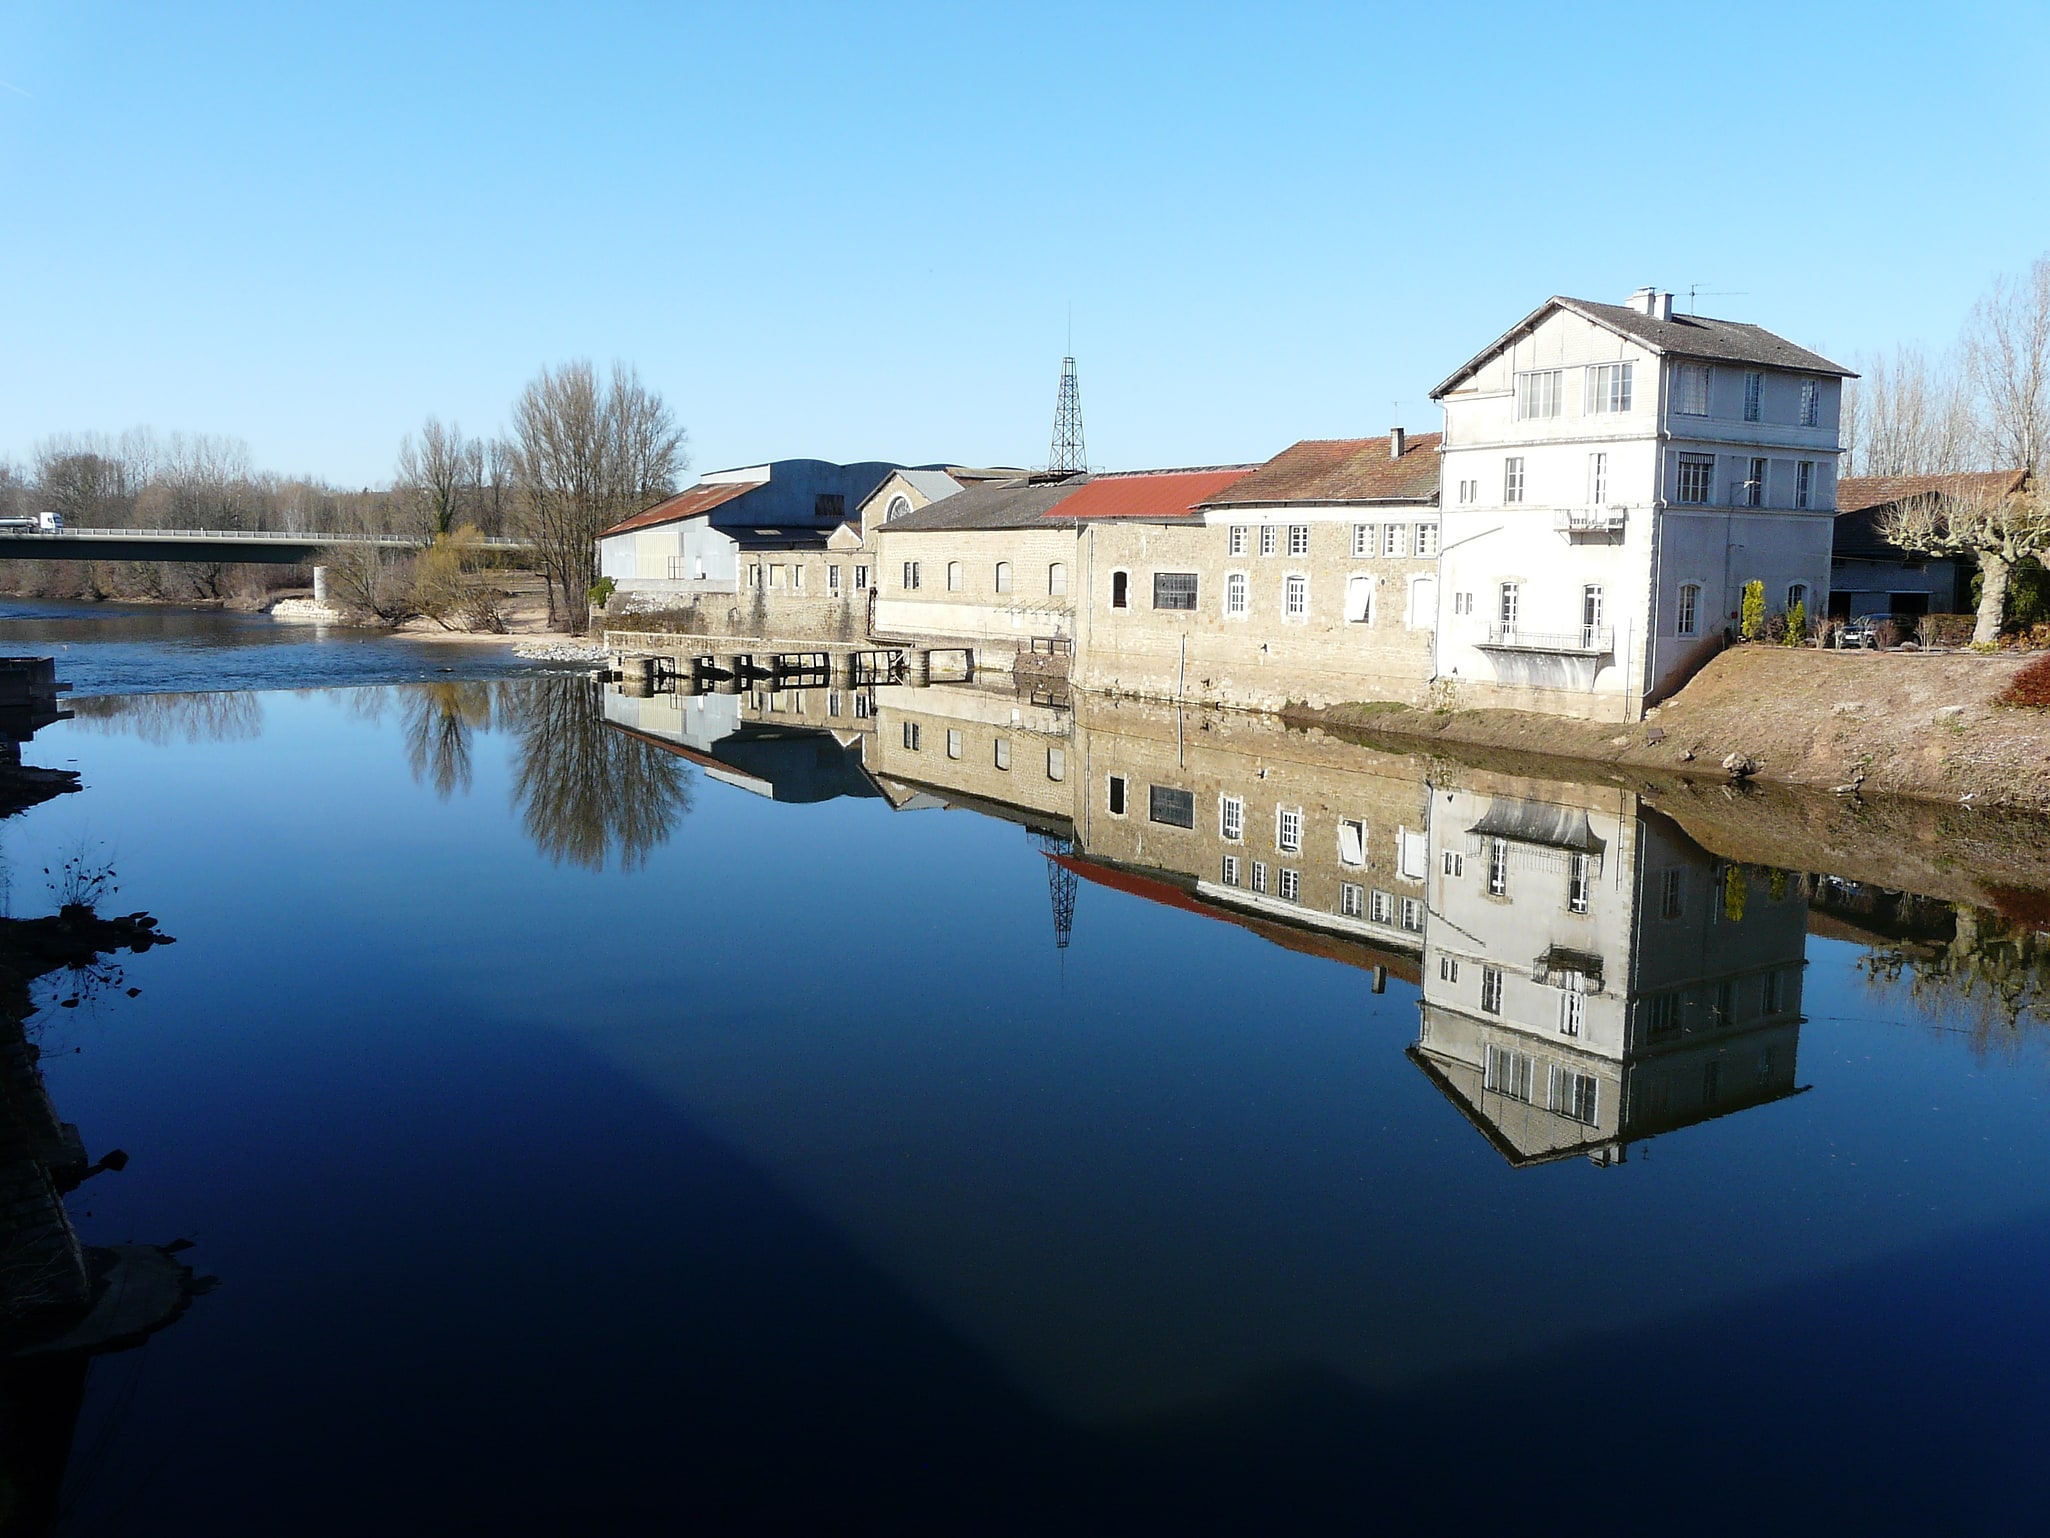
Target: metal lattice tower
{"points": [[1061, 884], [1068, 454]]}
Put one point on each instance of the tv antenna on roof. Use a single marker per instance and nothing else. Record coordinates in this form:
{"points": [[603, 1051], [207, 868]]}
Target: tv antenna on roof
{"points": [[1695, 290]]}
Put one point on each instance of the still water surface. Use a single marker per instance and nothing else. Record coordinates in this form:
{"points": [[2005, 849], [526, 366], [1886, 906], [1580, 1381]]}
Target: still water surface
{"points": [[693, 1124]]}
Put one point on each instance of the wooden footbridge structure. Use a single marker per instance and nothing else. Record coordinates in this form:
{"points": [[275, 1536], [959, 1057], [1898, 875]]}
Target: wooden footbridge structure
{"points": [[651, 662]]}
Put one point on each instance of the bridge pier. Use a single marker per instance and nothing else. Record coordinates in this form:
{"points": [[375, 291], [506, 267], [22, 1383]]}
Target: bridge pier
{"points": [[320, 584]]}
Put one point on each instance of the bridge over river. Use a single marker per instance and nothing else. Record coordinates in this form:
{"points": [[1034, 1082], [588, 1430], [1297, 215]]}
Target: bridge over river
{"points": [[239, 546]]}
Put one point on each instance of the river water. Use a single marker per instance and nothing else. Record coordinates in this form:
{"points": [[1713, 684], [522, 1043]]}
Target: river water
{"points": [[938, 1111]]}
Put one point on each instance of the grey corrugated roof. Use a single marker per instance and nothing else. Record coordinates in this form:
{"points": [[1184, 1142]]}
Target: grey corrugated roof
{"points": [[1684, 336], [1000, 505], [933, 485]]}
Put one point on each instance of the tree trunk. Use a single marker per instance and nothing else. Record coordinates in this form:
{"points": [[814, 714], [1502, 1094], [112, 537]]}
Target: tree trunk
{"points": [[1993, 570]]}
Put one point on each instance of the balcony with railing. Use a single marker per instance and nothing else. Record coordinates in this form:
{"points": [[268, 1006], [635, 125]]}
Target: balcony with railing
{"points": [[1549, 659], [1591, 640], [1589, 520]]}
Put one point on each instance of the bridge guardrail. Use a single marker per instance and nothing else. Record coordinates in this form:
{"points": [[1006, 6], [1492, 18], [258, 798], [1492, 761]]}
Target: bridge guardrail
{"points": [[281, 536]]}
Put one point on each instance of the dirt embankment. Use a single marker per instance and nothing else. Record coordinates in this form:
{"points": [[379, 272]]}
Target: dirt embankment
{"points": [[1899, 723]]}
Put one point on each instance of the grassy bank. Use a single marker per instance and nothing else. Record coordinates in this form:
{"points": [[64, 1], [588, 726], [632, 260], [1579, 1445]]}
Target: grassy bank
{"points": [[1896, 723]]}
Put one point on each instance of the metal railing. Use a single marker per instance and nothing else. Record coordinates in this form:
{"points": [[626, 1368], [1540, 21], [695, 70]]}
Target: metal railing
{"points": [[1592, 639], [280, 536], [1589, 520]]}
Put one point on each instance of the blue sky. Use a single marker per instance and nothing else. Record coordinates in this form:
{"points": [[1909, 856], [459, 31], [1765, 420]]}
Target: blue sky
{"points": [[856, 232]]}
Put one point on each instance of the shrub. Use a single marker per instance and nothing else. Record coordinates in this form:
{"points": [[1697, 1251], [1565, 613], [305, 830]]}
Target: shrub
{"points": [[1797, 626], [1753, 614], [2030, 688], [601, 592], [1946, 629]]}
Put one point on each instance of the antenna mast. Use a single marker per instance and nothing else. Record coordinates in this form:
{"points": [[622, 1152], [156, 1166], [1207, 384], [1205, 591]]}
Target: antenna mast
{"points": [[1068, 454]]}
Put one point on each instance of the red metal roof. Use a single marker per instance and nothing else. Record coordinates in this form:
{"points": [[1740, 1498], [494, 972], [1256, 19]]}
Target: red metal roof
{"points": [[685, 504], [1148, 493]]}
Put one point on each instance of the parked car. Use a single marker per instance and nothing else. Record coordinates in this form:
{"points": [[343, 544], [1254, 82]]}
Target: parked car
{"points": [[1862, 632]]}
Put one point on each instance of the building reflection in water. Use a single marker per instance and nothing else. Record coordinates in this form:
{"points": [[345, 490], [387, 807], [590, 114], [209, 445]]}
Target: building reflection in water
{"points": [[1589, 976]]}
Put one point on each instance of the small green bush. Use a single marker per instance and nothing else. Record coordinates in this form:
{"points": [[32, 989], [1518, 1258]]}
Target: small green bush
{"points": [[601, 592], [1752, 617], [2030, 688], [1796, 632]]}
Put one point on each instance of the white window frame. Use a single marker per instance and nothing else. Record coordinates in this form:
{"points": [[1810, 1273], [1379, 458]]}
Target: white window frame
{"points": [[1610, 388], [1687, 610], [1695, 472], [1351, 899], [1290, 888], [1811, 403], [1288, 829], [1298, 539], [1295, 596], [1598, 479], [1235, 540], [1395, 541], [1229, 871], [1512, 480], [957, 576], [1362, 541], [1427, 542], [1540, 394], [1804, 484], [1270, 538], [1238, 595], [1231, 819], [1754, 396]]}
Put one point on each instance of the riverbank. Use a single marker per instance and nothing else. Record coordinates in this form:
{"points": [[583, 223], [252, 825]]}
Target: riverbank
{"points": [[1895, 723]]}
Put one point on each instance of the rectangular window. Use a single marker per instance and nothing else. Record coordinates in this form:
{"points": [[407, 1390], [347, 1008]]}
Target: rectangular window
{"points": [[1382, 908], [1175, 808], [1000, 752], [1270, 539], [832, 579], [1057, 579], [797, 576], [1237, 595], [1498, 867], [1608, 388], [860, 579], [1512, 479], [1511, 604], [1056, 763], [1448, 969], [1003, 576], [1772, 993], [1115, 795], [1597, 480], [1573, 1094], [1412, 915], [1572, 1011], [912, 734], [1235, 539], [1231, 818], [776, 576], [1696, 486], [1174, 590], [910, 575], [1291, 886], [1804, 483], [1426, 541], [1231, 870], [1690, 390], [1579, 882], [1295, 597], [1288, 830], [1811, 403], [1351, 899], [864, 705], [1362, 541], [832, 702], [1412, 854], [1672, 893], [754, 576], [1689, 621], [1455, 864], [1395, 540], [1259, 877], [1491, 990], [1513, 1074], [1754, 392], [1352, 842], [1538, 393], [1754, 484], [1299, 539], [1591, 616], [953, 743]]}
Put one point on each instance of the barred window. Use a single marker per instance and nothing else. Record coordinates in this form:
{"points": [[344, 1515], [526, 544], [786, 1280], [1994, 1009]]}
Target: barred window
{"points": [[1811, 403], [1174, 590], [1175, 808]]}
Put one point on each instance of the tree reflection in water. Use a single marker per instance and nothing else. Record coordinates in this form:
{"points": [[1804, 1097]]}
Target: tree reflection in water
{"points": [[1990, 973], [229, 716], [584, 789], [440, 722]]}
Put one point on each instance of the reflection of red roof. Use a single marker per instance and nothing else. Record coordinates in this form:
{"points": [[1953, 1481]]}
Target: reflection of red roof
{"points": [[1308, 942], [1148, 493], [685, 504]]}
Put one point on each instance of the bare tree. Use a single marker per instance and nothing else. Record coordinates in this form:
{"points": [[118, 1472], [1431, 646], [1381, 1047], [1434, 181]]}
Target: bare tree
{"points": [[1971, 517], [587, 455], [438, 476], [2007, 344], [1907, 417]]}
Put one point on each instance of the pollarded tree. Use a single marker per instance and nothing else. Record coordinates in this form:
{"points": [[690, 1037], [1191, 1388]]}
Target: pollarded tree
{"points": [[1968, 517]]}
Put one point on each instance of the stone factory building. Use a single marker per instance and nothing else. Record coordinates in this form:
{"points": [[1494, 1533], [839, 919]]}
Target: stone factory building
{"points": [[1307, 579], [1613, 476]]}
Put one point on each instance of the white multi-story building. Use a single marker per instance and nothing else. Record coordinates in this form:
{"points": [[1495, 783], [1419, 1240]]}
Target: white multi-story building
{"points": [[1613, 476]]}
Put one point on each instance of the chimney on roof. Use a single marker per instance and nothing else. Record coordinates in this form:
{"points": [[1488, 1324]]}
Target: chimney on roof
{"points": [[1653, 302], [1395, 444]]}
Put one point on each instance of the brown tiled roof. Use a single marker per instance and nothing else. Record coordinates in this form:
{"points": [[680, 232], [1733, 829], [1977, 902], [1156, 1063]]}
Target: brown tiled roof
{"points": [[1855, 493], [685, 504], [1342, 470], [1149, 493]]}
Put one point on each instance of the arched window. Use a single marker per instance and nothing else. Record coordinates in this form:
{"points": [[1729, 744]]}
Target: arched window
{"points": [[1798, 594], [953, 576], [1057, 579], [1359, 599], [1689, 619], [1003, 576], [898, 507], [1120, 590]]}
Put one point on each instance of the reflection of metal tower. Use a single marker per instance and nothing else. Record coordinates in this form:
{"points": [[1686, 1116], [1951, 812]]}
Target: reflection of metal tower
{"points": [[1068, 454], [1060, 884]]}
